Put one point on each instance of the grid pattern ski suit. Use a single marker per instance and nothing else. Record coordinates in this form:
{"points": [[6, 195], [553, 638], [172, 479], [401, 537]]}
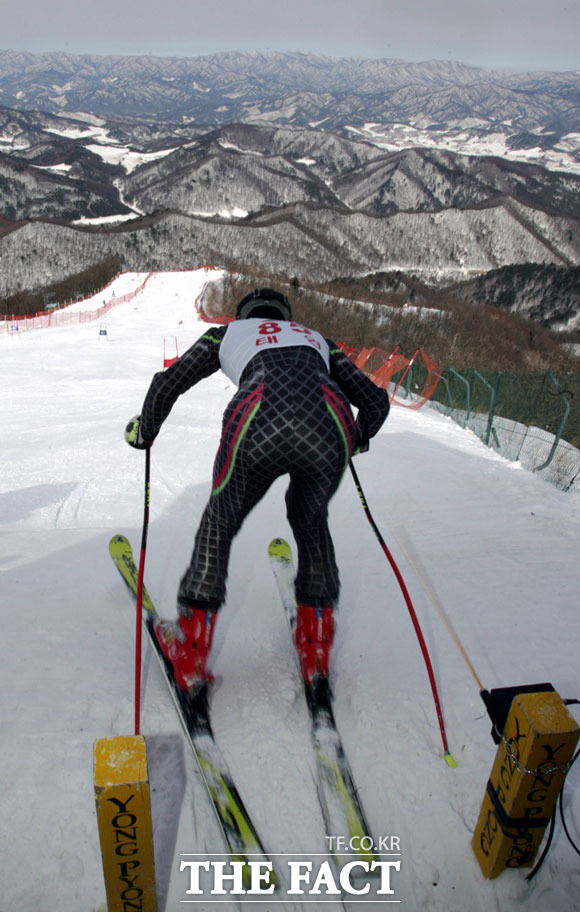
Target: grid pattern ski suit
{"points": [[290, 415]]}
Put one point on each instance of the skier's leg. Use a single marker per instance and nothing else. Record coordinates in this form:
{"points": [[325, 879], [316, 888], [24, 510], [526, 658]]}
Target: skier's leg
{"points": [[187, 642], [317, 581], [236, 488], [307, 501], [204, 581]]}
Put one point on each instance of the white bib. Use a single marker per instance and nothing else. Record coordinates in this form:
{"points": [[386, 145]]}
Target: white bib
{"points": [[246, 338]]}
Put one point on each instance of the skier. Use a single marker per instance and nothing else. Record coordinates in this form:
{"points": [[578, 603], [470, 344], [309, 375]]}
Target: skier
{"points": [[290, 415]]}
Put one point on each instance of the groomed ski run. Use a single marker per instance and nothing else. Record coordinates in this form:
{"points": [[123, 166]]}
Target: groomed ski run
{"points": [[500, 546]]}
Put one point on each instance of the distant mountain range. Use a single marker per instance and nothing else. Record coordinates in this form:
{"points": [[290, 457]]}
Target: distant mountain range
{"points": [[297, 89], [292, 163]]}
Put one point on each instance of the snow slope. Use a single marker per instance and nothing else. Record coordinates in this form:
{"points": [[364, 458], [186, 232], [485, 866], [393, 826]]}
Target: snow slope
{"points": [[500, 547]]}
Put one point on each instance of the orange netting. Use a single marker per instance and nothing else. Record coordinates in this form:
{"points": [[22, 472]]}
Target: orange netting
{"points": [[385, 369]]}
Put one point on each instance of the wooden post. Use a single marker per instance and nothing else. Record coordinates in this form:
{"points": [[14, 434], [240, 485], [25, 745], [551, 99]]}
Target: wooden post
{"points": [[125, 826], [530, 766]]}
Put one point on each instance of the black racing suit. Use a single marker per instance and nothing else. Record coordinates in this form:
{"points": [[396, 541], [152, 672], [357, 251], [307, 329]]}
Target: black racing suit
{"points": [[290, 415]]}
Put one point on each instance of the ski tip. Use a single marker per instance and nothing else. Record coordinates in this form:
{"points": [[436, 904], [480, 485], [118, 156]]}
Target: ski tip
{"points": [[450, 761], [279, 547]]}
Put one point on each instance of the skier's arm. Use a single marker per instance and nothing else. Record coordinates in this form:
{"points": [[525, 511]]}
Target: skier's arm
{"points": [[199, 361], [371, 401]]}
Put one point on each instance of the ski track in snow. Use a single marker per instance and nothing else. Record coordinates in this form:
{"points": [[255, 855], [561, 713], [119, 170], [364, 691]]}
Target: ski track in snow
{"points": [[499, 545]]}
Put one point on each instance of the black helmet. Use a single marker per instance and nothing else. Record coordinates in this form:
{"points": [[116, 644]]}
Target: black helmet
{"points": [[264, 302]]}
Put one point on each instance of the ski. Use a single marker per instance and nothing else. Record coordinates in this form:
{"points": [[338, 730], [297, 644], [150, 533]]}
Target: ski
{"points": [[235, 823], [339, 801]]}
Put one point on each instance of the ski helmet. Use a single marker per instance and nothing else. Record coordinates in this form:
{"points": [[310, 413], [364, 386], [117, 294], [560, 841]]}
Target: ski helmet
{"points": [[264, 302]]}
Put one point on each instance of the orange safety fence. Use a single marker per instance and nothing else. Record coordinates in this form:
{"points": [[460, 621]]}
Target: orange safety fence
{"points": [[202, 314], [385, 369], [389, 369], [63, 316], [399, 364], [363, 357], [433, 377], [348, 350]]}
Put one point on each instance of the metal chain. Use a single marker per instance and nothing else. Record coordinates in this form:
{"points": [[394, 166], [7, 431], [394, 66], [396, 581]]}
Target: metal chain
{"points": [[558, 768]]}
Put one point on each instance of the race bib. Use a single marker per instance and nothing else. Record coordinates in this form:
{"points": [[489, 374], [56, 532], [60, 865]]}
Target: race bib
{"points": [[244, 339]]}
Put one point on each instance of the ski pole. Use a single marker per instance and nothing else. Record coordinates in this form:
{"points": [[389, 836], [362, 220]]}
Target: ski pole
{"points": [[139, 619], [448, 757]]}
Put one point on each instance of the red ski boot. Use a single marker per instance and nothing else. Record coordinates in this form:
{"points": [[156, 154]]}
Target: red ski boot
{"points": [[186, 644], [313, 636]]}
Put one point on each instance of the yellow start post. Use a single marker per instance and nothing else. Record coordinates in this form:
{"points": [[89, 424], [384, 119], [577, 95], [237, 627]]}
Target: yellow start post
{"points": [[530, 766], [125, 825]]}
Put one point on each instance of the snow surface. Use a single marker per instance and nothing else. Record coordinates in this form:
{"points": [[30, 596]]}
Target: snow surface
{"points": [[106, 219], [128, 159], [461, 137], [500, 547]]}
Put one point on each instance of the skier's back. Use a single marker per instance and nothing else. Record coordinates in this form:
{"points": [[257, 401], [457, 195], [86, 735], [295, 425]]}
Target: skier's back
{"points": [[290, 415]]}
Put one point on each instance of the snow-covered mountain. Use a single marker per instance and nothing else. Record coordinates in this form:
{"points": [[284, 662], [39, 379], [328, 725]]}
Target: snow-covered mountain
{"points": [[294, 88], [500, 548], [348, 167]]}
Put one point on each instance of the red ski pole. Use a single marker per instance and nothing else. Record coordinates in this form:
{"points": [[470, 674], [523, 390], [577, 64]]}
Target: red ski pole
{"points": [[448, 758]]}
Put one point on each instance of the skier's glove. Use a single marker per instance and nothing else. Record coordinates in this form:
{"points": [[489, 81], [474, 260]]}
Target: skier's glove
{"points": [[133, 434]]}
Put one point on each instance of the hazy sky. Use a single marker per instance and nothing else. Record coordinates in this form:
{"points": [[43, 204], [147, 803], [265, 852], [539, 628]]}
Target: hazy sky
{"points": [[530, 34]]}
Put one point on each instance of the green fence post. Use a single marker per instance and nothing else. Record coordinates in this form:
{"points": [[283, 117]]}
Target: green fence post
{"points": [[492, 402], [446, 382], [468, 395], [563, 420]]}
